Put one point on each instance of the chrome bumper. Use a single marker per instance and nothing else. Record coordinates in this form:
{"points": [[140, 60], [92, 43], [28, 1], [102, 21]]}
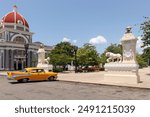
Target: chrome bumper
{"points": [[10, 78]]}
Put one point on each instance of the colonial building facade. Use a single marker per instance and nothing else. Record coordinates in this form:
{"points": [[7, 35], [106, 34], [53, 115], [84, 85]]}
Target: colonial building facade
{"points": [[14, 34]]}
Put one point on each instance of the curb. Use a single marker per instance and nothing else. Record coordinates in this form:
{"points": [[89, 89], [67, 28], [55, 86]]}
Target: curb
{"points": [[2, 75], [115, 85]]}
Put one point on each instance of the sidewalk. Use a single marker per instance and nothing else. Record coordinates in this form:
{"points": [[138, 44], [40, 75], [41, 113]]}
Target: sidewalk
{"points": [[97, 78], [3, 73]]}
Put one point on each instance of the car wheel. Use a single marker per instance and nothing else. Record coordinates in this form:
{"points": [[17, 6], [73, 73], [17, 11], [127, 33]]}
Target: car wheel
{"points": [[54, 78], [24, 80], [19, 80], [51, 78]]}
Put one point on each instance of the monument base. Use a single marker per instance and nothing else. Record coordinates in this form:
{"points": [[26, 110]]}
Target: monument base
{"points": [[46, 67], [121, 73]]}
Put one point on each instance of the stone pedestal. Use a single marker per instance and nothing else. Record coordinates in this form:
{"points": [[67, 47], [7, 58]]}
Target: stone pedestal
{"points": [[121, 73], [125, 71], [46, 67]]}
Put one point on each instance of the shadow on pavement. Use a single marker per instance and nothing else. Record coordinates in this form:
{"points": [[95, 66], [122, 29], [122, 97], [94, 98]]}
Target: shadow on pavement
{"points": [[32, 82]]}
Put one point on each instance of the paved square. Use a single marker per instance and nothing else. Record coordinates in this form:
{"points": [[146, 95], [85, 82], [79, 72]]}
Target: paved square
{"points": [[61, 90]]}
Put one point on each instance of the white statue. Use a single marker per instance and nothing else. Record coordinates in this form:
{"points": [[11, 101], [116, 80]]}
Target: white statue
{"points": [[41, 55], [47, 60], [42, 62], [113, 56]]}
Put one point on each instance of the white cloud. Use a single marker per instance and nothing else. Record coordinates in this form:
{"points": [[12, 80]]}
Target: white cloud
{"points": [[98, 40], [139, 44], [65, 39], [74, 41]]}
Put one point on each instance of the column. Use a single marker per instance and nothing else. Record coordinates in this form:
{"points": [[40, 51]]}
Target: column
{"points": [[36, 59], [29, 59], [3, 60], [6, 59], [5, 35], [9, 59], [12, 60], [16, 64], [0, 60], [22, 64]]}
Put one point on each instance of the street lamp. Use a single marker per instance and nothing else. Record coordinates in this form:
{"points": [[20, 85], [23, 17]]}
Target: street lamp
{"points": [[149, 62], [75, 57], [26, 46]]}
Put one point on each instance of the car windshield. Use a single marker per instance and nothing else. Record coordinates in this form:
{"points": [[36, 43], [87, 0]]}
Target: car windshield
{"points": [[23, 70], [40, 70]]}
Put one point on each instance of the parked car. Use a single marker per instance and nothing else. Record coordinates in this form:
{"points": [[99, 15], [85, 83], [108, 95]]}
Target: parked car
{"points": [[29, 74], [90, 69]]}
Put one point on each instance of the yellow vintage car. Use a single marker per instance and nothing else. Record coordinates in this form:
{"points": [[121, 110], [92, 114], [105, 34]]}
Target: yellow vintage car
{"points": [[30, 74]]}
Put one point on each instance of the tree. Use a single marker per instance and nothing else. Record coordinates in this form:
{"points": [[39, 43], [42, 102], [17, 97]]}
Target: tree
{"points": [[140, 61], [102, 59], [146, 55], [62, 54], [145, 27], [114, 48], [87, 55]]}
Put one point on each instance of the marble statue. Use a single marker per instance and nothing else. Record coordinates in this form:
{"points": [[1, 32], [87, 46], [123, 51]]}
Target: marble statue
{"points": [[125, 71], [113, 56], [47, 60], [42, 62], [41, 55]]}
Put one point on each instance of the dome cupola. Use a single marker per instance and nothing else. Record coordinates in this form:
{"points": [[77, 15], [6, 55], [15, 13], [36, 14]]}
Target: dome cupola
{"points": [[15, 17]]}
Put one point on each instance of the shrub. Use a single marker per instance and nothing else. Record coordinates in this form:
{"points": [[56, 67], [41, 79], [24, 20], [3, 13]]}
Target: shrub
{"points": [[57, 69]]}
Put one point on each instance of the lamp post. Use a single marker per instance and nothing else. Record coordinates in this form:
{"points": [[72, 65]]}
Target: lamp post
{"points": [[75, 57], [26, 46], [149, 62]]}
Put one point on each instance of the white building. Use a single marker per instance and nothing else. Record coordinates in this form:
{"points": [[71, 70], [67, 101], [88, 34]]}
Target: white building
{"points": [[14, 34]]}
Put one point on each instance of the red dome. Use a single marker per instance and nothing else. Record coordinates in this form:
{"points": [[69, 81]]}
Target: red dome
{"points": [[15, 17]]}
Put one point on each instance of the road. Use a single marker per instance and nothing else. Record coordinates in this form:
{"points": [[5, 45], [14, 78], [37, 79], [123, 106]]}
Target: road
{"points": [[60, 90]]}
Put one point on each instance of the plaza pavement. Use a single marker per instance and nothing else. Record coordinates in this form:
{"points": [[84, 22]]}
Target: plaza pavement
{"points": [[97, 78]]}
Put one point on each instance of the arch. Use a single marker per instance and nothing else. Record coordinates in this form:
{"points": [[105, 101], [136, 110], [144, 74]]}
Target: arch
{"points": [[19, 35]]}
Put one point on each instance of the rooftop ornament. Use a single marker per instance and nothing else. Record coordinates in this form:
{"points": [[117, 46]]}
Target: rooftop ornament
{"points": [[128, 29]]}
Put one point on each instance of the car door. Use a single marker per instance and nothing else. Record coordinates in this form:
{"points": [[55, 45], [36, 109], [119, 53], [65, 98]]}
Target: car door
{"points": [[34, 74], [41, 74]]}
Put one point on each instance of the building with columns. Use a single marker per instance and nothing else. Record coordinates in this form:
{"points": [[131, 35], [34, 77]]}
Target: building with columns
{"points": [[14, 34]]}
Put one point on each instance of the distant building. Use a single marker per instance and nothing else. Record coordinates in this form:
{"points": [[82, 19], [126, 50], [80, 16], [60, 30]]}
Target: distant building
{"points": [[14, 34]]}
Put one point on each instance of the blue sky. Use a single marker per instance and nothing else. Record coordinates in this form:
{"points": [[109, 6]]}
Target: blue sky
{"points": [[80, 20]]}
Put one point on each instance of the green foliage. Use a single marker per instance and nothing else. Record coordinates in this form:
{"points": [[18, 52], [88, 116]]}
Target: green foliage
{"points": [[145, 27], [87, 55], [141, 61], [62, 54], [114, 48], [102, 59], [146, 54], [57, 69]]}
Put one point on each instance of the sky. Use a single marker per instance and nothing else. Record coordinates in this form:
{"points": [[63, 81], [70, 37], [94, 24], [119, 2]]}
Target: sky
{"points": [[99, 22]]}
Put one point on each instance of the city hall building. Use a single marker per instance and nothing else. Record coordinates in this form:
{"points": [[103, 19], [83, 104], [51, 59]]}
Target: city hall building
{"points": [[14, 35]]}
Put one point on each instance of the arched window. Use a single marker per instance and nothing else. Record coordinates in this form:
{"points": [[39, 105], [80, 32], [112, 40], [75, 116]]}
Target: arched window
{"points": [[19, 40]]}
